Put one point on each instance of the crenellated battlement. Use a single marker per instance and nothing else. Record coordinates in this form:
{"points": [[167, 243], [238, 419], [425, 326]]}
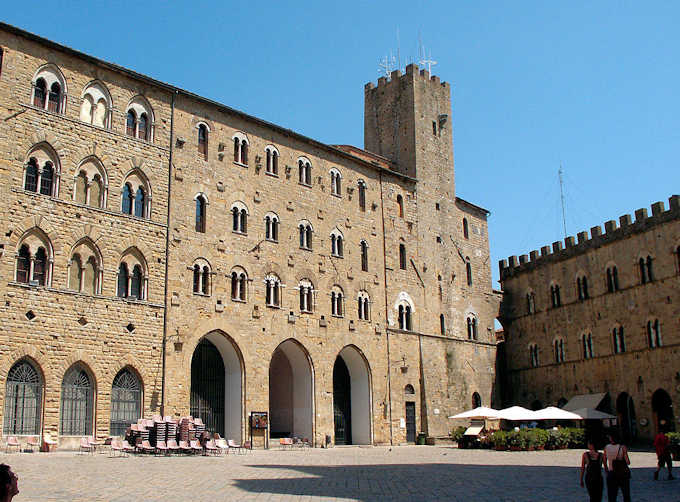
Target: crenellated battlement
{"points": [[571, 246], [412, 73]]}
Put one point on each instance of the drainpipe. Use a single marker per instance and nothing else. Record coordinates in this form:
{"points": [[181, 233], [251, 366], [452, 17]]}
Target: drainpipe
{"points": [[387, 333], [167, 254]]}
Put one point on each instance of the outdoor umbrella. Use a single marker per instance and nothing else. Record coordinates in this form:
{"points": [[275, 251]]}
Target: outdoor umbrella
{"points": [[480, 412], [553, 413], [591, 414], [516, 413]]}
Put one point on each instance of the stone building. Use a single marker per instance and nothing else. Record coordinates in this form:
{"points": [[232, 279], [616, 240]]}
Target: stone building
{"points": [[598, 316], [166, 254]]}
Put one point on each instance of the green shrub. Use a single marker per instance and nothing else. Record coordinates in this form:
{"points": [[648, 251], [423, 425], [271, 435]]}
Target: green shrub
{"points": [[499, 439], [457, 433], [674, 438]]}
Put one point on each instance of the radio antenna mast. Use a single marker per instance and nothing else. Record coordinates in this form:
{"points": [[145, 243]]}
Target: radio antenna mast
{"points": [[564, 218]]}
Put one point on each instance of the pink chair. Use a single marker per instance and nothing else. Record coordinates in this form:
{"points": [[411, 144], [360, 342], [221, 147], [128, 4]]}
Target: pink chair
{"points": [[12, 442], [146, 447], [211, 447], [116, 447], [247, 446], [173, 447], [161, 447], [222, 445], [195, 447], [235, 446], [32, 442], [85, 445], [126, 447], [184, 446]]}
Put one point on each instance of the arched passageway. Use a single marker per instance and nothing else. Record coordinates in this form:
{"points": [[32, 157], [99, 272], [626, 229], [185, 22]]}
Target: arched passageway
{"points": [[216, 383], [351, 398], [662, 411], [291, 392], [625, 411]]}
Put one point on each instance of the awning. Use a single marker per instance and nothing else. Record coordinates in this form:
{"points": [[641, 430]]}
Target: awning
{"points": [[473, 431], [553, 413], [516, 413], [591, 414], [481, 412], [581, 401]]}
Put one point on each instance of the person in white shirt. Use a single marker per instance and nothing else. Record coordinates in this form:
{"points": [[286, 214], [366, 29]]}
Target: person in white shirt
{"points": [[616, 464]]}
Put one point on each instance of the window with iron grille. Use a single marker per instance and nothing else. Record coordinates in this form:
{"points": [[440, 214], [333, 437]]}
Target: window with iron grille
{"points": [[77, 399], [23, 400], [126, 402]]}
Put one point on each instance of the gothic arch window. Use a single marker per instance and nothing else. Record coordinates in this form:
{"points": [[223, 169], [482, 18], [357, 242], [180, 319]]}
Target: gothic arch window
{"points": [[49, 89], [139, 119], [587, 344], [90, 186], [468, 271], [96, 105], [476, 400], [531, 302], [304, 171], [239, 284], [239, 217], [363, 306], [240, 148], [337, 243], [201, 213], [618, 340], [653, 333], [203, 141], [337, 301], [133, 279], [558, 345], [272, 291], [405, 315], [645, 266], [612, 274], [306, 290], [34, 259], [400, 205], [85, 271], [409, 390], [272, 162], [533, 355], [202, 274], [271, 227], [42, 171], [126, 401], [361, 184], [402, 256], [336, 179], [305, 231], [136, 195], [23, 400], [582, 287], [471, 327], [555, 299], [466, 233], [77, 402], [363, 245]]}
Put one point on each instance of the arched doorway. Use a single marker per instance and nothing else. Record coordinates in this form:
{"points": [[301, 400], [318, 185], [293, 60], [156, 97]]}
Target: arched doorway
{"points": [[351, 398], [216, 383], [476, 400], [662, 410], [291, 393], [625, 411], [23, 400], [126, 401]]}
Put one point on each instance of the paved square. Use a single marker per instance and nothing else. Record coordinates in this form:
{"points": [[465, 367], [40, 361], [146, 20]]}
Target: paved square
{"points": [[349, 473]]}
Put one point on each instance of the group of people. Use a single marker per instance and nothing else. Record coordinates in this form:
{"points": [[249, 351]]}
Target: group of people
{"points": [[614, 458]]}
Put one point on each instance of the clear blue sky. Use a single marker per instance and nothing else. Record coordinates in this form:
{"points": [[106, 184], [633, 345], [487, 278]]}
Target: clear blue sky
{"points": [[594, 85]]}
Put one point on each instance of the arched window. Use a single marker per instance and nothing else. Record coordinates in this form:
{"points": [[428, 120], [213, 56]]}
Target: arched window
{"points": [[46, 179], [587, 344], [240, 148], [136, 283], [363, 302], [405, 313], [126, 402], [619, 340], [272, 164], [472, 327], [23, 400], [143, 127], [468, 271], [555, 299], [653, 334], [402, 257], [531, 302], [23, 265], [337, 244], [49, 89], [54, 99], [559, 350], [364, 255], [96, 106], [533, 355], [304, 172], [197, 278], [646, 270], [131, 124], [272, 291], [239, 281], [465, 229], [40, 93], [201, 277], [89, 184], [271, 227], [132, 281], [582, 287], [31, 177], [362, 194], [201, 206], [476, 400], [305, 230], [77, 402], [34, 259], [203, 141], [306, 290], [442, 325], [239, 213], [136, 195], [205, 286], [139, 121], [336, 178], [612, 279], [126, 202], [123, 280], [400, 204], [140, 203], [337, 302], [409, 390], [41, 171], [85, 269]]}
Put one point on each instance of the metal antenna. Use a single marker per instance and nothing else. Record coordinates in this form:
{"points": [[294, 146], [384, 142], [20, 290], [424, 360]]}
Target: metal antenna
{"points": [[427, 61], [386, 65], [398, 50], [564, 218]]}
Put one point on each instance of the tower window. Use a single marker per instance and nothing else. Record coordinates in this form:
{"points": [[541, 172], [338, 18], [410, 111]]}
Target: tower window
{"points": [[434, 128], [402, 257]]}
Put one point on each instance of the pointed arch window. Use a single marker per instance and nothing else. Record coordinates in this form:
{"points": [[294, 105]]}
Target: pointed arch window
{"points": [[619, 340], [272, 291], [468, 271], [653, 334], [239, 281], [136, 288], [201, 206], [337, 244], [405, 314], [337, 302], [559, 350], [363, 304], [241, 149], [362, 195], [402, 257], [305, 231], [271, 227], [304, 172], [126, 202], [306, 290], [96, 106], [31, 177], [23, 400], [123, 280], [612, 279], [131, 124], [40, 93], [364, 255], [85, 271], [555, 299], [400, 205], [239, 214], [132, 281], [587, 344], [272, 163], [34, 267], [54, 99], [466, 233], [645, 265], [126, 402], [336, 188], [472, 328], [77, 400], [140, 202], [40, 179], [203, 141], [582, 287]]}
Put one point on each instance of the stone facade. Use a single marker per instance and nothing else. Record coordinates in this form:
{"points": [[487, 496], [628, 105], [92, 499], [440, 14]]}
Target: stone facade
{"points": [[188, 290], [614, 327]]}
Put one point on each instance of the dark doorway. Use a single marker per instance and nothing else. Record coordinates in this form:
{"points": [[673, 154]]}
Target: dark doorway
{"points": [[625, 411], [662, 408], [411, 422], [207, 386], [342, 403]]}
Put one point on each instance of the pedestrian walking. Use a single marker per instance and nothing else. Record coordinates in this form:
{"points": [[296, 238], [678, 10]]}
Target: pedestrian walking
{"points": [[616, 464], [8, 483], [662, 445], [591, 466]]}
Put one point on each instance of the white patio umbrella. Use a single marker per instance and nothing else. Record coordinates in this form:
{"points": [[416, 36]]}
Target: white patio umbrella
{"points": [[516, 413], [480, 412], [554, 413], [591, 414]]}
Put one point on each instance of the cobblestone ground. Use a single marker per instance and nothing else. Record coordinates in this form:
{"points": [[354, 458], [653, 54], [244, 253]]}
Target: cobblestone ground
{"points": [[350, 473]]}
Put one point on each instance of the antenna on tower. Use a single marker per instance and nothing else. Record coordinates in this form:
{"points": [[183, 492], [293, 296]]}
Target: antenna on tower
{"points": [[386, 65], [398, 50], [564, 218], [424, 59]]}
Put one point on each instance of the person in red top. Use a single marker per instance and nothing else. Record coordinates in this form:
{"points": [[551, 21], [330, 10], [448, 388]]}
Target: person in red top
{"points": [[663, 451]]}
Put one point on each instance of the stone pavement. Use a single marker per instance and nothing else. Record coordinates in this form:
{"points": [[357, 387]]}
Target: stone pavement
{"points": [[344, 473]]}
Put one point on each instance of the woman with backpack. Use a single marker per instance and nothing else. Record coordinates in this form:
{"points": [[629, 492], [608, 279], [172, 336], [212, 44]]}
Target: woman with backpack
{"points": [[591, 466], [616, 464]]}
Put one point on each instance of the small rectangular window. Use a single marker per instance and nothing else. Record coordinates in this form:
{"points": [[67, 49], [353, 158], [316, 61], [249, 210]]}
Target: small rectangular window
{"points": [[434, 128]]}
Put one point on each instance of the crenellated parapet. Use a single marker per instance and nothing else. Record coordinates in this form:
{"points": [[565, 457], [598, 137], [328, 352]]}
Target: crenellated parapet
{"points": [[412, 73], [561, 250]]}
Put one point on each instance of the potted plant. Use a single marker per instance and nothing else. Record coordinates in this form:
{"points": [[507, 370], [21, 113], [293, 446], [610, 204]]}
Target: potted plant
{"points": [[674, 438], [499, 439]]}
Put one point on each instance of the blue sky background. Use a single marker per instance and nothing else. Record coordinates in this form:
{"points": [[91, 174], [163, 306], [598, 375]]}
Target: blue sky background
{"points": [[593, 85]]}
